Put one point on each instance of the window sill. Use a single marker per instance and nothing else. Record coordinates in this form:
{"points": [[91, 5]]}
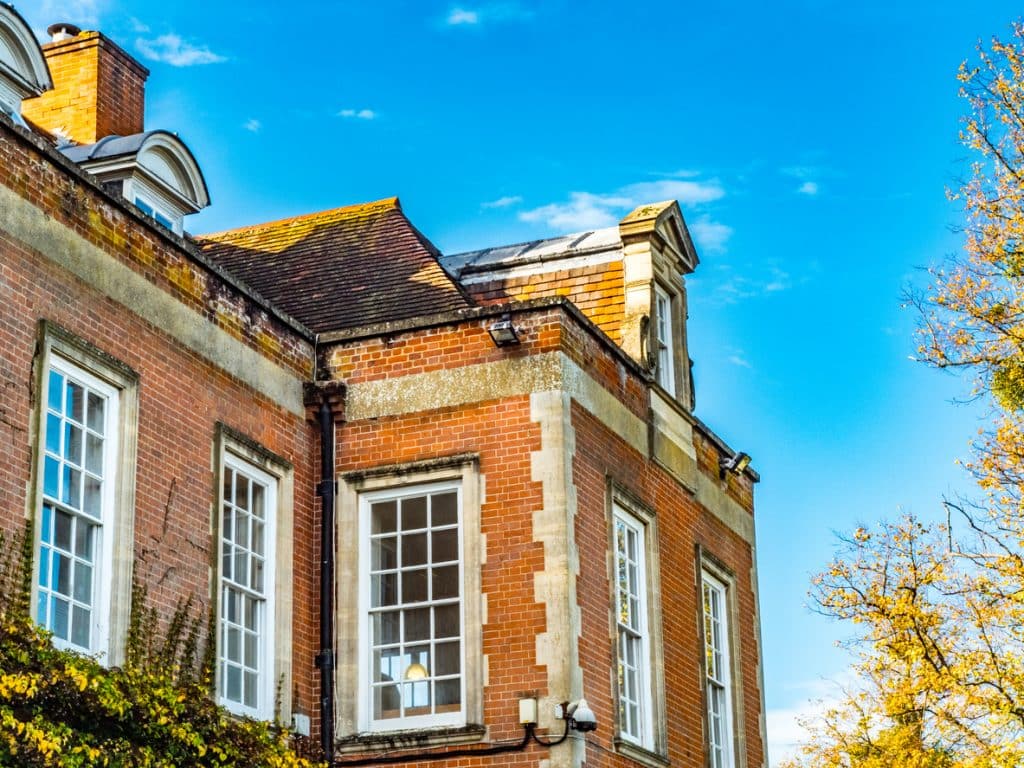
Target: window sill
{"points": [[640, 755], [412, 739]]}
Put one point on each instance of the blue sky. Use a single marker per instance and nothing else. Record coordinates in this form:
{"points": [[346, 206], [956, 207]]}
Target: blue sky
{"points": [[810, 144]]}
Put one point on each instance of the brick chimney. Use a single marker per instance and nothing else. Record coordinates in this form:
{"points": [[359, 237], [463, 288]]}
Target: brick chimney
{"points": [[98, 89]]}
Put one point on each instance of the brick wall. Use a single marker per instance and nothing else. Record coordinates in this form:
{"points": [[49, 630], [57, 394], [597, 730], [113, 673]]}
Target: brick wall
{"points": [[597, 290], [98, 90], [182, 395]]}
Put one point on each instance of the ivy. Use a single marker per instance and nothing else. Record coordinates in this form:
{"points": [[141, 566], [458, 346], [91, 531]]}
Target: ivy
{"points": [[59, 709]]}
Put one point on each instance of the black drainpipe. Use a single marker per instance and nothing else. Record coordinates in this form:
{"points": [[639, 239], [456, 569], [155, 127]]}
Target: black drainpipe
{"points": [[325, 659]]}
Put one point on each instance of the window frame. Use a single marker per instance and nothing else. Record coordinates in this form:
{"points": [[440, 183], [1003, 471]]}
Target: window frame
{"points": [[234, 450], [664, 338], [265, 654], [352, 704], [640, 632], [721, 585], [73, 357], [651, 748], [366, 645]]}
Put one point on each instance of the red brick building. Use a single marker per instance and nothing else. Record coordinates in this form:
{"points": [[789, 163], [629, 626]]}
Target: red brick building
{"points": [[520, 507]]}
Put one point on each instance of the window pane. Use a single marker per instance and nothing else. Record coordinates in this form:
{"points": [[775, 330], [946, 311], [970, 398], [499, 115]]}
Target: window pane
{"points": [[84, 539], [59, 617], [387, 665], [414, 586], [52, 433], [51, 477], [250, 690], [96, 412], [446, 621], [384, 553], [417, 624], [447, 659], [257, 500], [83, 583], [71, 493], [386, 628], [55, 395], [80, 626], [448, 692], [383, 516], [241, 491], [386, 702], [414, 550], [414, 513], [234, 645], [73, 444], [445, 546], [234, 683], [62, 537], [444, 509], [446, 582], [384, 590], [93, 502], [75, 404]]}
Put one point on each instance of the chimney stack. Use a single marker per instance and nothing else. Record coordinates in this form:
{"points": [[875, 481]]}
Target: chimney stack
{"points": [[98, 89]]}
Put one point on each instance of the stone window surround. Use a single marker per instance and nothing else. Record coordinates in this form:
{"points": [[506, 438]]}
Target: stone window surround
{"points": [[655, 754], [53, 341], [244, 450], [352, 719]]}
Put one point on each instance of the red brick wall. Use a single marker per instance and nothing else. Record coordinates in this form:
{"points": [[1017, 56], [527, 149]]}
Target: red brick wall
{"points": [[596, 290], [181, 398], [98, 90], [503, 435], [60, 189]]}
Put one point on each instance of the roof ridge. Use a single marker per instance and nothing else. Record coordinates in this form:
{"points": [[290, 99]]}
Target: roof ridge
{"points": [[382, 205]]}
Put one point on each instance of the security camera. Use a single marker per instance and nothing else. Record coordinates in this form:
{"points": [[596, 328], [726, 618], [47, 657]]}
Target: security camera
{"points": [[581, 717]]}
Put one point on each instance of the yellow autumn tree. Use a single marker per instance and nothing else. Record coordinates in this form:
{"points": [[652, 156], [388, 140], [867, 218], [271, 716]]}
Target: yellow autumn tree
{"points": [[937, 610]]}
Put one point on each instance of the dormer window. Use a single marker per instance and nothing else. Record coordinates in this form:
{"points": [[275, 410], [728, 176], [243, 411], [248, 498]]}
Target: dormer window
{"points": [[153, 170], [23, 70], [154, 213], [665, 370]]}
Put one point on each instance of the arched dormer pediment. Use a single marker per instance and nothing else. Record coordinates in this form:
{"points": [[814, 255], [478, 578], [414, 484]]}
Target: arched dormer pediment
{"points": [[23, 69], [156, 170]]}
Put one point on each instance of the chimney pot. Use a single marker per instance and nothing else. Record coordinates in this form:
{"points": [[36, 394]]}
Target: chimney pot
{"points": [[62, 31]]}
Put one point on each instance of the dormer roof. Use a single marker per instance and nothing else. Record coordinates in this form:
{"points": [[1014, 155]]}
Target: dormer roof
{"points": [[23, 69], [160, 157]]}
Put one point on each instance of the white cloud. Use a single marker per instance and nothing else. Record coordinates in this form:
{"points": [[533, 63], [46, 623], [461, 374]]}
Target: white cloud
{"points": [[137, 26], [503, 202], [84, 13], [808, 188], [253, 125], [738, 359], [172, 49], [490, 14], [358, 114], [587, 210], [710, 235], [750, 282], [461, 16]]}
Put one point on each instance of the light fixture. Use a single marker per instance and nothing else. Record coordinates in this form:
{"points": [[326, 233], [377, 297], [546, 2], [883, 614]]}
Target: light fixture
{"points": [[736, 463], [503, 333], [416, 671]]}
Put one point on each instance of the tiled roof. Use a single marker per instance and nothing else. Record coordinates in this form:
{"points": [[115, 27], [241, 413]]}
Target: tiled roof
{"points": [[340, 269]]}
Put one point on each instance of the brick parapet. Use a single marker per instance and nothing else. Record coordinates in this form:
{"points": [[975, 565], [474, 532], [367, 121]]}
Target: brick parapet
{"points": [[43, 177]]}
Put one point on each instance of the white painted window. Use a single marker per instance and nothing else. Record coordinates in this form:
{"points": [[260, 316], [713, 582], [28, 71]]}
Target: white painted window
{"points": [[76, 521], [412, 641], [246, 606], [159, 216], [718, 665], [633, 634], [663, 339]]}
